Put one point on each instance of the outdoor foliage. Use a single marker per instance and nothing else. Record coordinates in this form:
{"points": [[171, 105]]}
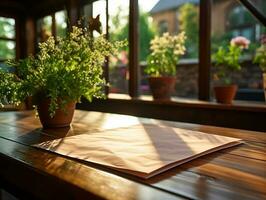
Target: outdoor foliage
{"points": [[7, 30], [119, 31], [188, 17], [65, 69], [166, 51], [260, 57]]}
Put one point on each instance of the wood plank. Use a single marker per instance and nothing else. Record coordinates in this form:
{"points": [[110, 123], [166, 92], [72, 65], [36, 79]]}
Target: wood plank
{"points": [[190, 186], [223, 175], [252, 136], [230, 176], [89, 121], [249, 151], [65, 178], [200, 186], [217, 175], [95, 121], [251, 166]]}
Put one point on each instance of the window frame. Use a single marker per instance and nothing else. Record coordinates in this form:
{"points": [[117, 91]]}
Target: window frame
{"points": [[14, 39], [53, 24], [249, 116], [204, 69]]}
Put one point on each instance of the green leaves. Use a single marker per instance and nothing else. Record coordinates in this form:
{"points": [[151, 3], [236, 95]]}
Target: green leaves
{"points": [[260, 57], [64, 69], [9, 86], [226, 60]]}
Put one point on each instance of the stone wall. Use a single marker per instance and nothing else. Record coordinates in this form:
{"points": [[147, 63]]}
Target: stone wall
{"points": [[250, 77]]}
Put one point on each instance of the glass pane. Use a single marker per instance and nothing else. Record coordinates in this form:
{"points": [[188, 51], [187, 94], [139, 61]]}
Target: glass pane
{"points": [[99, 9], [44, 28], [231, 19], [7, 49], [47, 24], [260, 5], [118, 71], [86, 13], [61, 23], [157, 18], [7, 27]]}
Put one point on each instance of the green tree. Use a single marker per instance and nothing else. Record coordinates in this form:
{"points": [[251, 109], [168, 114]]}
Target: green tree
{"points": [[7, 30], [189, 22], [120, 31], [147, 32]]}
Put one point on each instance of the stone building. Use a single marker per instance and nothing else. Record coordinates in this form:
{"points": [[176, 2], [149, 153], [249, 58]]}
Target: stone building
{"points": [[227, 16]]}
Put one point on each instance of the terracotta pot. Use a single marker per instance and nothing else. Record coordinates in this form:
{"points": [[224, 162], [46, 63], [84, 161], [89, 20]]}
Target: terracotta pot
{"points": [[162, 87], [61, 118], [264, 84], [225, 94]]}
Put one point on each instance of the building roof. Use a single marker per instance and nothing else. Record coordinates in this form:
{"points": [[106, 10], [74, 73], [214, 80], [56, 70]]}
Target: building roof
{"points": [[164, 5]]}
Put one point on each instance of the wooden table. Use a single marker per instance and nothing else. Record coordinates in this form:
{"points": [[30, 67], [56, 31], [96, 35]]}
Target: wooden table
{"points": [[235, 173]]}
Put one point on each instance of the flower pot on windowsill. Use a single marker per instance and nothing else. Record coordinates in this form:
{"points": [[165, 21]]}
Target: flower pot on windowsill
{"points": [[62, 117], [225, 94], [162, 87]]}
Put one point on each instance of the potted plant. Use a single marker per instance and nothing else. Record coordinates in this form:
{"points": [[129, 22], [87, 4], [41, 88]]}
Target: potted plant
{"points": [[260, 58], [62, 71], [162, 62], [226, 61]]}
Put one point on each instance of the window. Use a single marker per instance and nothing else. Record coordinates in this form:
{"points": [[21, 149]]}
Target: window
{"points": [[155, 18], [163, 27], [99, 9], [95, 12], [61, 23], [119, 26], [260, 5], [7, 38], [55, 24], [231, 19], [118, 12], [240, 22]]}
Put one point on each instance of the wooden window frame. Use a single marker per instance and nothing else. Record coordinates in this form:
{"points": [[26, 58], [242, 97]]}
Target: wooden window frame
{"points": [[134, 68], [244, 116]]}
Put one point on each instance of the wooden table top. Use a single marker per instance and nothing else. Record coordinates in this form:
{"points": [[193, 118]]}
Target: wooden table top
{"points": [[234, 173]]}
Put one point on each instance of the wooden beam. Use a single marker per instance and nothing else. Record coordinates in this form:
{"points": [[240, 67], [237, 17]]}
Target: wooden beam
{"points": [[204, 49], [31, 36], [21, 45], [53, 25], [73, 12], [106, 69], [133, 49]]}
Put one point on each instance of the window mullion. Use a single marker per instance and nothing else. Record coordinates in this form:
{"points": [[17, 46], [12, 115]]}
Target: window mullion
{"points": [[133, 49], [204, 49]]}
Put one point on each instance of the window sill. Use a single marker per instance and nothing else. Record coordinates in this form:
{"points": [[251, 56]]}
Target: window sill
{"points": [[237, 104], [240, 115]]}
